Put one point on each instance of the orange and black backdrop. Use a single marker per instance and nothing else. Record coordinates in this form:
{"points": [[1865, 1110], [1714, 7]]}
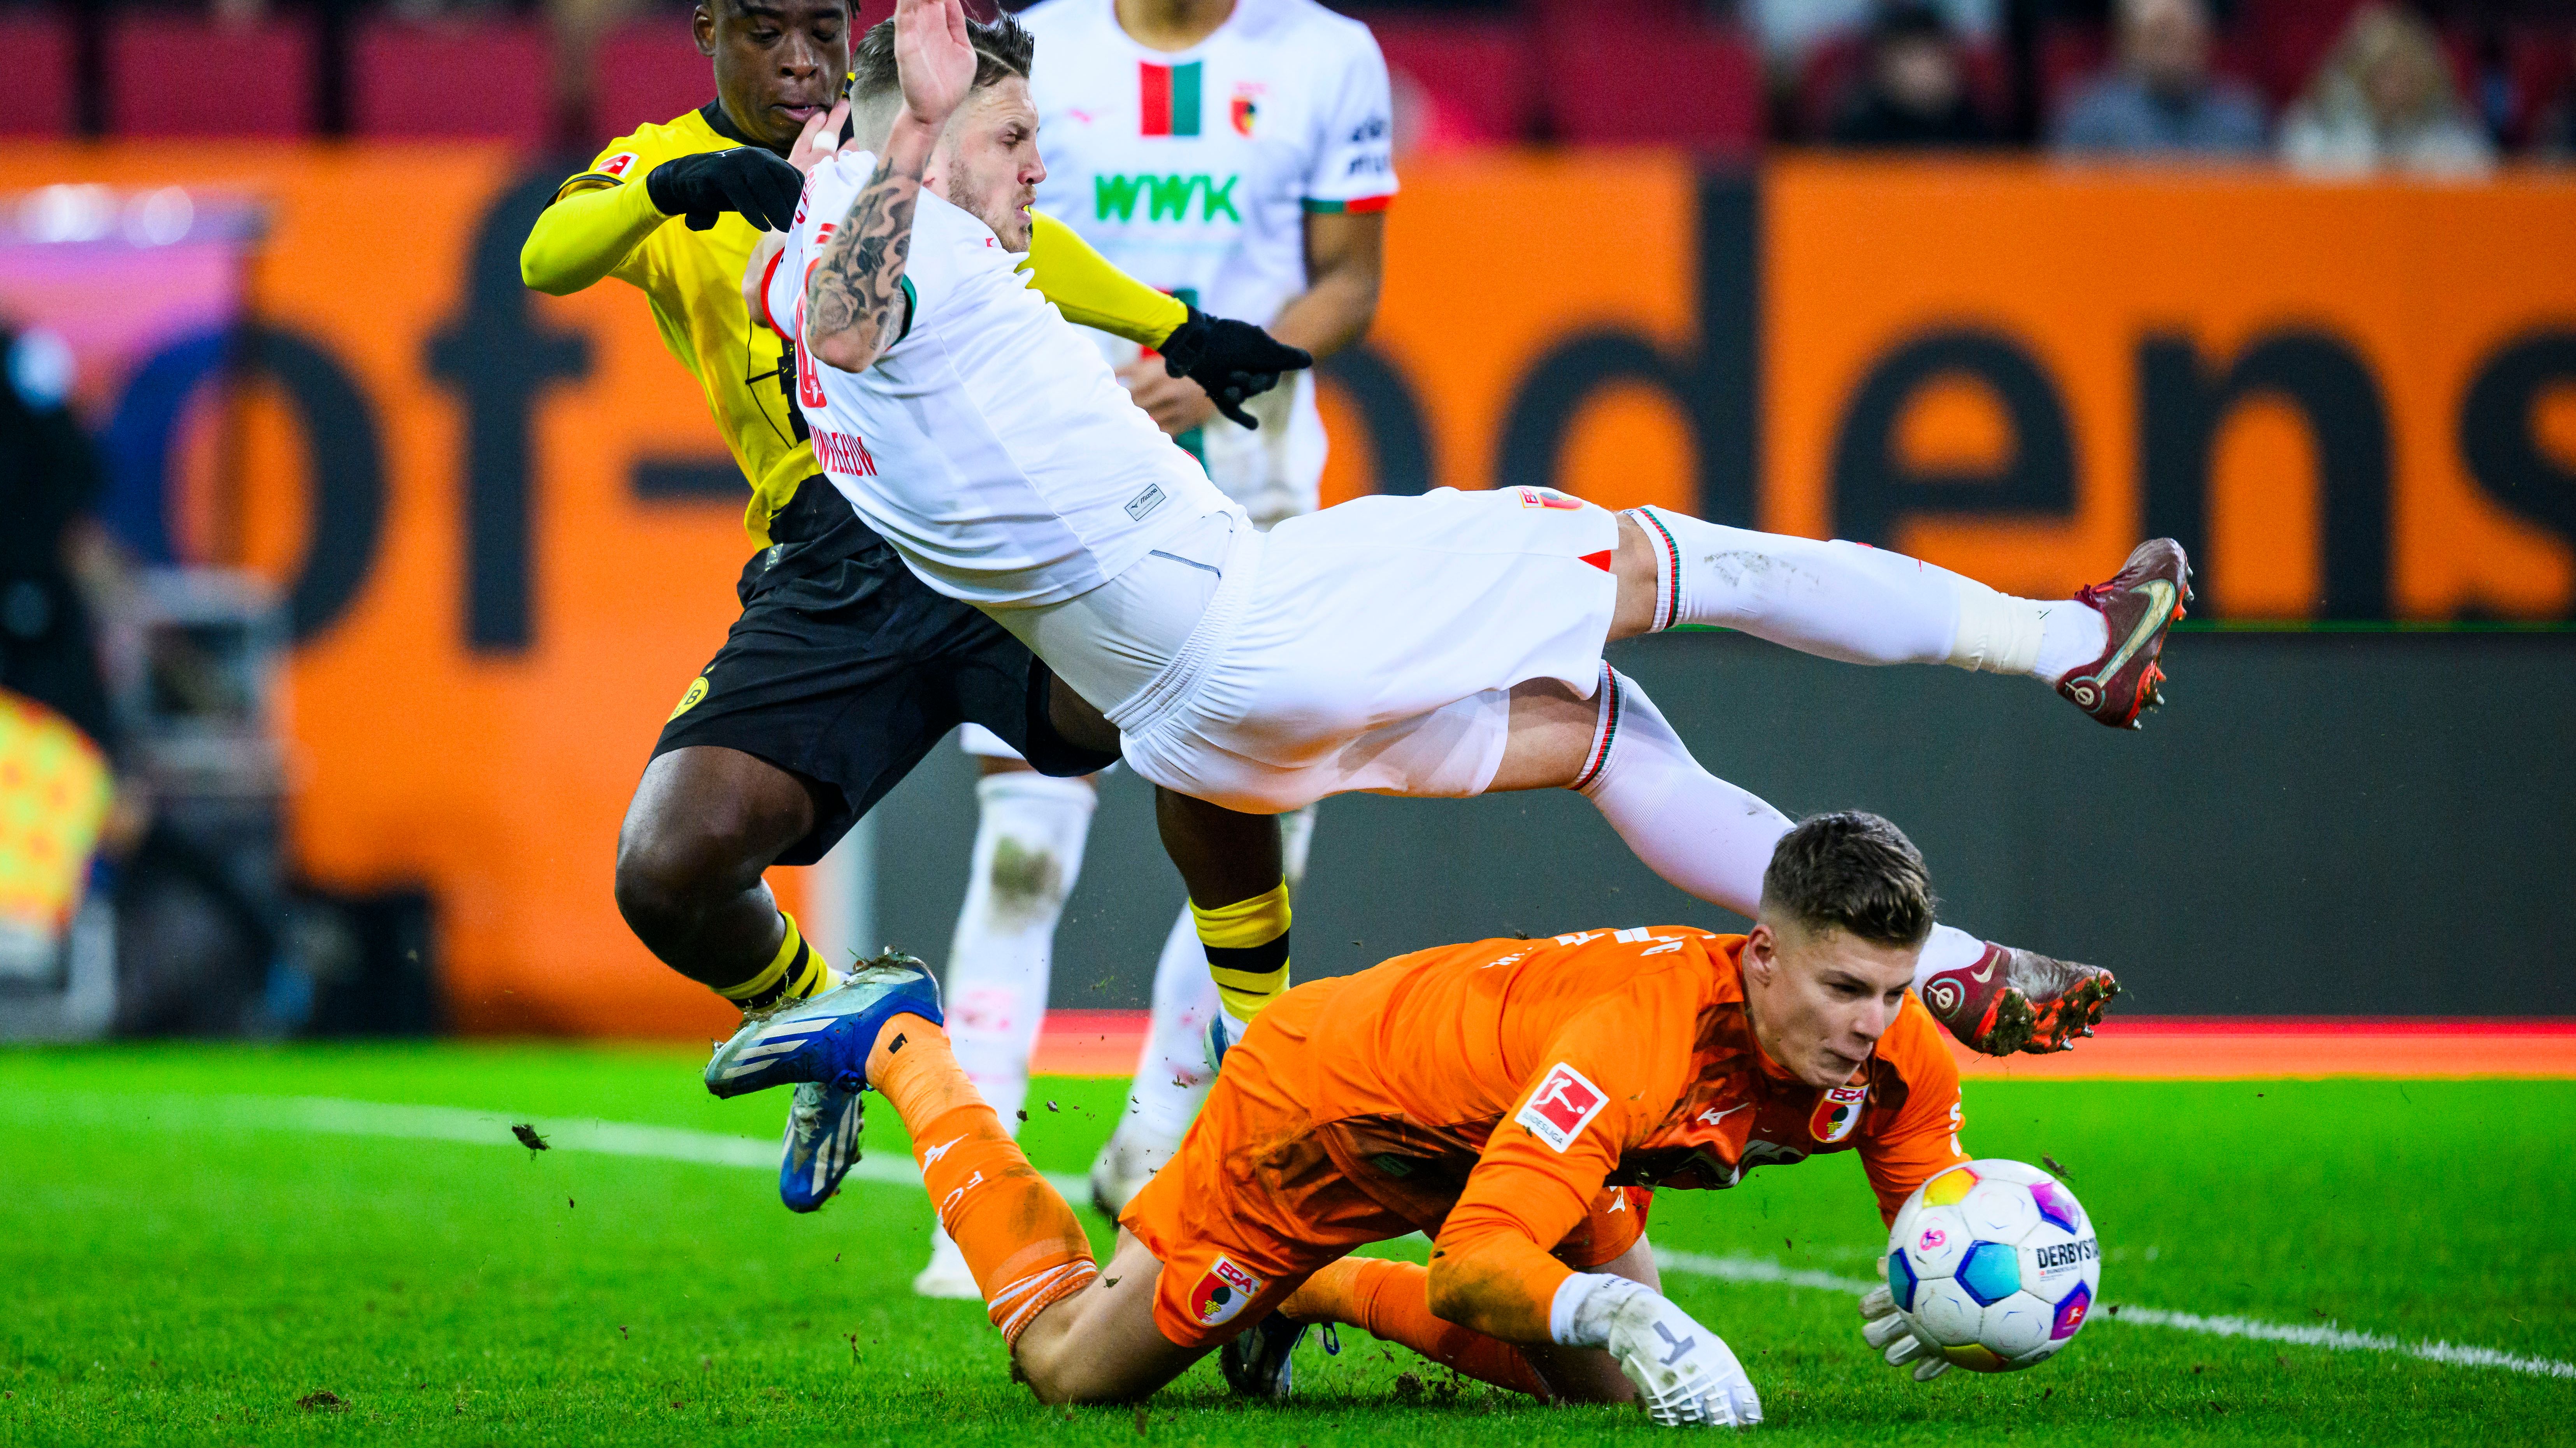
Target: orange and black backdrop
{"points": [[509, 535]]}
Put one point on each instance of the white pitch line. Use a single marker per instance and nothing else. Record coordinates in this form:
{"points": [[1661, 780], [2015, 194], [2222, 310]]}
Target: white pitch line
{"points": [[340, 1117]]}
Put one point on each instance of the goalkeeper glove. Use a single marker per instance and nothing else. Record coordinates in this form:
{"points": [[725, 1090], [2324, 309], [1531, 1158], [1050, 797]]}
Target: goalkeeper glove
{"points": [[1882, 1327], [1234, 361], [744, 178], [1684, 1373]]}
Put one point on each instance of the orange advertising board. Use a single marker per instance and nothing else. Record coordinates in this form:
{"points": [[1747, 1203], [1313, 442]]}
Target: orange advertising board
{"points": [[2357, 402]]}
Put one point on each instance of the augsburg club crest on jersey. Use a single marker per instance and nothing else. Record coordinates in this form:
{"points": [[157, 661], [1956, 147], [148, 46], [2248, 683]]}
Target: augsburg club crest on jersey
{"points": [[1224, 1290], [1836, 1114]]}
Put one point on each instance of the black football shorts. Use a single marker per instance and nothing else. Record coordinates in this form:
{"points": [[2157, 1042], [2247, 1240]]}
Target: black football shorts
{"points": [[844, 670]]}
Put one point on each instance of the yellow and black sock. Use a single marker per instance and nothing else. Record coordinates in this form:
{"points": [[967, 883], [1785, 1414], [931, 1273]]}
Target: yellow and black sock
{"points": [[793, 973], [1247, 949]]}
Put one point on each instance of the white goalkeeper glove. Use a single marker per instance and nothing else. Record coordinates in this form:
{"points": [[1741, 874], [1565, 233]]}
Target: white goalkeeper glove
{"points": [[1883, 1328], [1684, 1373]]}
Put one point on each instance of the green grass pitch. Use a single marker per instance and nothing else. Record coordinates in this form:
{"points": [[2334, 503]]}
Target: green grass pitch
{"points": [[180, 1263]]}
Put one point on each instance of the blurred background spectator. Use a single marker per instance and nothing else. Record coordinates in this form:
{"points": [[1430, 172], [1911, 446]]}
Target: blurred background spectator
{"points": [[2087, 77], [1791, 30], [49, 480], [2385, 100], [1912, 88], [2162, 98]]}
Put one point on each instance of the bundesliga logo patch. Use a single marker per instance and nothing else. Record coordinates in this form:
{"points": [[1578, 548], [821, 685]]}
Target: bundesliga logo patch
{"points": [[617, 165], [1223, 1292], [1562, 1106]]}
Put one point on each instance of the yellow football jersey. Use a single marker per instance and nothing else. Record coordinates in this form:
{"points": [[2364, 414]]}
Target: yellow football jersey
{"points": [[693, 279]]}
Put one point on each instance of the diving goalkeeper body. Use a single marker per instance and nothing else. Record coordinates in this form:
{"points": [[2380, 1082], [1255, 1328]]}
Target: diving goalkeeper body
{"points": [[1505, 1097], [843, 669]]}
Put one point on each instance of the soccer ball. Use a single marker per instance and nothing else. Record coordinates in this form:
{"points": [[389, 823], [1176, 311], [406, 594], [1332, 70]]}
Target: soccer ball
{"points": [[1994, 1264]]}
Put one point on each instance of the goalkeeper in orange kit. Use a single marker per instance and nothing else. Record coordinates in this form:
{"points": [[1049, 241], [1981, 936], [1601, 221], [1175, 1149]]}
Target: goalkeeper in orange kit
{"points": [[1507, 1097]]}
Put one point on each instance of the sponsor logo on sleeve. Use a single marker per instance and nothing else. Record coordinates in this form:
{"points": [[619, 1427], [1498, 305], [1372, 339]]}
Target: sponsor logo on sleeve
{"points": [[618, 165], [1224, 1290], [1562, 1106]]}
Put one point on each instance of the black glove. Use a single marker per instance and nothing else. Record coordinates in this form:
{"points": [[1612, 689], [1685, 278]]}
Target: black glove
{"points": [[1234, 361], [745, 179]]}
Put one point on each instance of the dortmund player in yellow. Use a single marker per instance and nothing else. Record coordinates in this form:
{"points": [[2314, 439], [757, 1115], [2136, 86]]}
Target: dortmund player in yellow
{"points": [[843, 670]]}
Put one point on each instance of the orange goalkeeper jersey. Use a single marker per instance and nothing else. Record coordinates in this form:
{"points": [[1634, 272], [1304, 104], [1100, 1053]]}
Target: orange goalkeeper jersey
{"points": [[1488, 1091]]}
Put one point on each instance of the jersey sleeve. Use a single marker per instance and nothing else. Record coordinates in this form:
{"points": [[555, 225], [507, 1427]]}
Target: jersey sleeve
{"points": [[625, 159], [1354, 166], [597, 223], [1923, 1139], [1610, 1076], [1091, 292]]}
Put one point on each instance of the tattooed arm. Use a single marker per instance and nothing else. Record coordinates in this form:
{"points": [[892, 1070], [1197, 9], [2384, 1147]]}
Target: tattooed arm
{"points": [[854, 297]]}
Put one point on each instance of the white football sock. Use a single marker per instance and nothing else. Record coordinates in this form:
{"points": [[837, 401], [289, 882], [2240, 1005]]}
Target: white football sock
{"points": [[1171, 1072], [1699, 832], [1029, 837], [1857, 604], [1296, 840]]}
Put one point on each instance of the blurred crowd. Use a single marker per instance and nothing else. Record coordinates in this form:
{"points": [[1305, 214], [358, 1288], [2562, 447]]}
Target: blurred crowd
{"points": [[2442, 87]]}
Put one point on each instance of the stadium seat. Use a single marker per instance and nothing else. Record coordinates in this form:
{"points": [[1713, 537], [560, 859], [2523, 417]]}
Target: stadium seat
{"points": [[1615, 79], [171, 75], [479, 79], [1832, 68], [648, 70], [2288, 39], [2071, 52], [37, 101], [1479, 75], [2542, 60]]}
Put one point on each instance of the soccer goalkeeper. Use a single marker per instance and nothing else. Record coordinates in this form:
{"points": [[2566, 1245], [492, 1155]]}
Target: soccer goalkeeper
{"points": [[1505, 1097]]}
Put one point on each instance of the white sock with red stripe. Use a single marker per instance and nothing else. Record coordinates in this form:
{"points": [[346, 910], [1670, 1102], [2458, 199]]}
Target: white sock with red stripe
{"points": [[1857, 604], [1696, 830], [1699, 832]]}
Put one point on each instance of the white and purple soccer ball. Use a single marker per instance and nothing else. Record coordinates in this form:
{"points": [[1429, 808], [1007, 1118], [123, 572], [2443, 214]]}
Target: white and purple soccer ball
{"points": [[1994, 1264]]}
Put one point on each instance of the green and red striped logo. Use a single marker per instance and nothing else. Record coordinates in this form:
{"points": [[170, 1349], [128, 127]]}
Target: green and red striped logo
{"points": [[1167, 99]]}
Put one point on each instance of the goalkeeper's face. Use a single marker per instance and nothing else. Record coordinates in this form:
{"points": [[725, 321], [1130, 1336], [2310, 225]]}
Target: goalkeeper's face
{"points": [[988, 162], [1821, 998]]}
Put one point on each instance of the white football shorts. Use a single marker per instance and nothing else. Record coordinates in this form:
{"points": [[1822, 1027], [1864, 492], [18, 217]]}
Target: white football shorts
{"points": [[1373, 646]]}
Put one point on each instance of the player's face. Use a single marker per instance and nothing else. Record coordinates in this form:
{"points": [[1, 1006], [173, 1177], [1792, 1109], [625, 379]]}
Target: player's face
{"points": [[991, 163], [1820, 999], [778, 62]]}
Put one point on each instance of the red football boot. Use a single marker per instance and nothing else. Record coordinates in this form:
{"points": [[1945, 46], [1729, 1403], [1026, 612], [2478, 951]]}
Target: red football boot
{"points": [[2019, 1000], [2139, 603]]}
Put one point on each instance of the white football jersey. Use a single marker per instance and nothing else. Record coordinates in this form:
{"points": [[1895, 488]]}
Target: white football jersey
{"points": [[1194, 171], [990, 445]]}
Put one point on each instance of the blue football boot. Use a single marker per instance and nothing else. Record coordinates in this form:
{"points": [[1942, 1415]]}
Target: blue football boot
{"points": [[825, 1039], [822, 1144]]}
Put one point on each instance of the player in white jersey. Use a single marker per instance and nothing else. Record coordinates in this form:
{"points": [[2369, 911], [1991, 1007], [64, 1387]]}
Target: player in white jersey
{"points": [[1235, 153], [1443, 645]]}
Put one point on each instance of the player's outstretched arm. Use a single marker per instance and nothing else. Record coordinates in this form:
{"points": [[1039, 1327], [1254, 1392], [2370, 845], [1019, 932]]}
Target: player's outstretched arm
{"points": [[1090, 289], [582, 237], [857, 284]]}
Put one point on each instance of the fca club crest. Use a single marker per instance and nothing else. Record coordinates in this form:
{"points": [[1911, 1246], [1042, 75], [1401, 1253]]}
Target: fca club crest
{"points": [[1223, 1292], [1836, 1114], [1246, 110]]}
